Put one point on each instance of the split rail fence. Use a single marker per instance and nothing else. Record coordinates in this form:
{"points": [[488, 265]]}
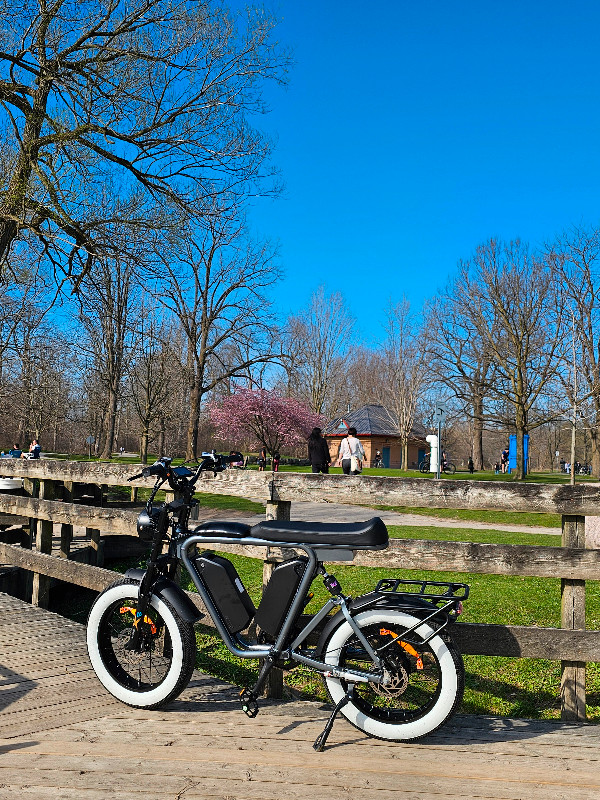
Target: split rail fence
{"points": [[51, 487]]}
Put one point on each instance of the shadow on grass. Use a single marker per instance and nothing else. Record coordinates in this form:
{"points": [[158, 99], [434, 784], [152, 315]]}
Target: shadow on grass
{"points": [[514, 700]]}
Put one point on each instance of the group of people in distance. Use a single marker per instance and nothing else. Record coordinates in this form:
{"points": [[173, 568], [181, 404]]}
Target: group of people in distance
{"points": [[350, 455], [16, 452]]}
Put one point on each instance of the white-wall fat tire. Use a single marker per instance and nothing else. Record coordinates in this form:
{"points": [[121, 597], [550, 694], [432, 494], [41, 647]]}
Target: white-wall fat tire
{"points": [[441, 653], [178, 666]]}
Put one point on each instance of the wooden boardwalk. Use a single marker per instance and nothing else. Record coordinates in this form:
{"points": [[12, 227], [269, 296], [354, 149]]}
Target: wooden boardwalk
{"points": [[62, 736]]}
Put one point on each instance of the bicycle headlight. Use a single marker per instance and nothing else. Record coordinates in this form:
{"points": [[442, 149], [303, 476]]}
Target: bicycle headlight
{"points": [[146, 524]]}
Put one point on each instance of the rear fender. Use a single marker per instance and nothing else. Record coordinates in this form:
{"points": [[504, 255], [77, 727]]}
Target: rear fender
{"points": [[417, 607], [173, 594]]}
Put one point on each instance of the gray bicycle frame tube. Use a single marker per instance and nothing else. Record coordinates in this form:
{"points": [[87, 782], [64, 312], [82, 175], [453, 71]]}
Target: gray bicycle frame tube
{"points": [[249, 650], [259, 651]]}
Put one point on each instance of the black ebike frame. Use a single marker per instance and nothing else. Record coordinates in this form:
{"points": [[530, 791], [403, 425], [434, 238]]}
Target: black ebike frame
{"points": [[243, 649]]}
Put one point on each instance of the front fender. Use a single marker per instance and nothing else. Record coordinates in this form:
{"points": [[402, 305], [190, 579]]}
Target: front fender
{"points": [[416, 606], [173, 594]]}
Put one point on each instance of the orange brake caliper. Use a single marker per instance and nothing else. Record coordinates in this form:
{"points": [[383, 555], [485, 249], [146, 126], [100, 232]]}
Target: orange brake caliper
{"points": [[404, 645], [136, 619]]}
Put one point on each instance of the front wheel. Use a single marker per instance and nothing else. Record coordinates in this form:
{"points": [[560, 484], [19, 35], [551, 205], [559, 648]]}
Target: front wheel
{"points": [[424, 466], [449, 468], [426, 680], [160, 667]]}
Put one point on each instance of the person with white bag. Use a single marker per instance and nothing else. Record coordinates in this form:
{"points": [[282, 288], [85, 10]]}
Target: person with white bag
{"points": [[351, 454]]}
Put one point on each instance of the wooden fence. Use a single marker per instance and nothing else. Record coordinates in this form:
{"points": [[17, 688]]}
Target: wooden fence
{"points": [[53, 485]]}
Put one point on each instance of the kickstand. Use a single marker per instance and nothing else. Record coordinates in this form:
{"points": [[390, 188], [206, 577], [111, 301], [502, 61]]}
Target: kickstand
{"points": [[321, 739]]}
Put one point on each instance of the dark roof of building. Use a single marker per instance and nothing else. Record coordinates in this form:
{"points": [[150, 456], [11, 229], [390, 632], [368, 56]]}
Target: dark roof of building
{"points": [[370, 420]]}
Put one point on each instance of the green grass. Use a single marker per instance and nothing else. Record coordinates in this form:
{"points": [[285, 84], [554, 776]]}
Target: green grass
{"points": [[224, 501], [489, 517], [494, 685], [471, 535], [220, 502], [484, 475]]}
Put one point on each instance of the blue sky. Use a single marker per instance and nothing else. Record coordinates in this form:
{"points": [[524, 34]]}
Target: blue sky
{"points": [[411, 132]]}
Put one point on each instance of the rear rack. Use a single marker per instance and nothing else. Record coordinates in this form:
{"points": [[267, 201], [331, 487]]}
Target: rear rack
{"points": [[448, 602], [427, 590]]}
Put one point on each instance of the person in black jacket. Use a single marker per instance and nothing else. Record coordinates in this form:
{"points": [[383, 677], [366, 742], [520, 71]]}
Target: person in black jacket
{"points": [[318, 452]]}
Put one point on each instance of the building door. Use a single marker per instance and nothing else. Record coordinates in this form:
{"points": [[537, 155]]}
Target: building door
{"points": [[385, 457]]}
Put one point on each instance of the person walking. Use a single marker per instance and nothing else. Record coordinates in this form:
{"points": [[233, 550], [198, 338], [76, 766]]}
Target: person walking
{"points": [[262, 460], [471, 465], [504, 460], [318, 452], [351, 454]]}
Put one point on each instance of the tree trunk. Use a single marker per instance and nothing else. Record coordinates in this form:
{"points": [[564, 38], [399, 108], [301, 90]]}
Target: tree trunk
{"points": [[194, 422], [144, 442], [111, 419], [477, 443], [521, 426], [595, 439], [161, 437]]}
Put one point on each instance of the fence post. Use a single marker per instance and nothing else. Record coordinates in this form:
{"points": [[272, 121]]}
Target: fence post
{"points": [[572, 681], [66, 530], [40, 595], [96, 550], [276, 510]]}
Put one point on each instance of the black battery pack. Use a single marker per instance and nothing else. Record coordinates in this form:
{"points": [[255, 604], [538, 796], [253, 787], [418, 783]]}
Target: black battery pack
{"points": [[226, 589], [279, 593]]}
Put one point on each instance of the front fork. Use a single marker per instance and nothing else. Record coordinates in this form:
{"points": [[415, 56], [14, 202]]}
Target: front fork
{"points": [[145, 595]]}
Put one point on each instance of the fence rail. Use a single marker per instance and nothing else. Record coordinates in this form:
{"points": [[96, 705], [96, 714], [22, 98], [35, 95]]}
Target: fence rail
{"points": [[573, 563]]}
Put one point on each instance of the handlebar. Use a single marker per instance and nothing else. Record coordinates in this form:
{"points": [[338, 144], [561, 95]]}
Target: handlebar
{"points": [[159, 468]]}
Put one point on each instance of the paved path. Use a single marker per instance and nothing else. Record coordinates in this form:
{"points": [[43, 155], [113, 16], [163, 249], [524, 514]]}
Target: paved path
{"points": [[337, 512], [63, 738]]}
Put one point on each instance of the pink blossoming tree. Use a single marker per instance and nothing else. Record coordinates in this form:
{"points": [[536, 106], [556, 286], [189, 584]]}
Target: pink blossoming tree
{"points": [[265, 417]]}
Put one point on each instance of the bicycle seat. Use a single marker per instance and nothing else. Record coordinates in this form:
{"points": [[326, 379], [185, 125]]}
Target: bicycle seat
{"points": [[369, 535]]}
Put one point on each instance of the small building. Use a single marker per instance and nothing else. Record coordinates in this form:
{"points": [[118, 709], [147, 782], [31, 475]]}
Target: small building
{"points": [[377, 430]]}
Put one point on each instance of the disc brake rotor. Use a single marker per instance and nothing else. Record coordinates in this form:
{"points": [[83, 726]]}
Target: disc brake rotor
{"points": [[397, 685]]}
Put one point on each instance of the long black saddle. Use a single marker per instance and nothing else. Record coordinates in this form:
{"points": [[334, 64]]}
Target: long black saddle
{"points": [[369, 535]]}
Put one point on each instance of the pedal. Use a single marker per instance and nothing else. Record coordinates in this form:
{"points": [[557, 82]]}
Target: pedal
{"points": [[249, 704]]}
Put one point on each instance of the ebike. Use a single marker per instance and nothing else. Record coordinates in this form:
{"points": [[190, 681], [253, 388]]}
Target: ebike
{"points": [[387, 658]]}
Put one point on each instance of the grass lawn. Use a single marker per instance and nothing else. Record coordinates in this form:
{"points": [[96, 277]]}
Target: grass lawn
{"points": [[489, 517], [494, 685]]}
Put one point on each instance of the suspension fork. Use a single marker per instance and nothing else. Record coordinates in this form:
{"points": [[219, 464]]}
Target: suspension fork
{"points": [[147, 582]]}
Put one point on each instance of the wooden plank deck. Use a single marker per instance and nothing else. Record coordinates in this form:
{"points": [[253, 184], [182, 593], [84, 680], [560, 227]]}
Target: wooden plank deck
{"points": [[62, 736]]}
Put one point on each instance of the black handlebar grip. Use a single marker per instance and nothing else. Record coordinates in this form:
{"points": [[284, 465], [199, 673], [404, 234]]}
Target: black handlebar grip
{"points": [[158, 468]]}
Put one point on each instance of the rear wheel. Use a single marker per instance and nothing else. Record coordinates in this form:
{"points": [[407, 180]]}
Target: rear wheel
{"points": [[159, 668], [426, 680], [449, 468], [424, 465]]}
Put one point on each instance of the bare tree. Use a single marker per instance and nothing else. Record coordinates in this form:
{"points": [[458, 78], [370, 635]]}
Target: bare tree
{"points": [[107, 314], [214, 286], [150, 379], [461, 358], [574, 259], [150, 98], [316, 341], [514, 312], [405, 368]]}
